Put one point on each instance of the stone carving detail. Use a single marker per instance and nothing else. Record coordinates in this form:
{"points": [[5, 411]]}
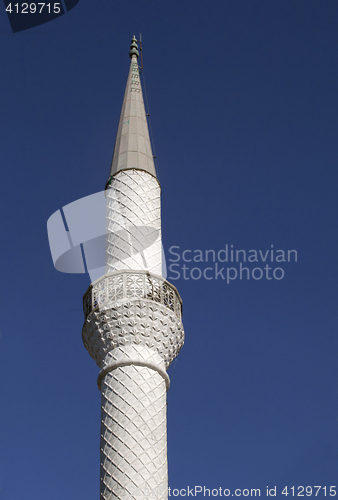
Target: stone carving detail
{"points": [[133, 330], [133, 435], [133, 215], [132, 308], [114, 287], [132, 324]]}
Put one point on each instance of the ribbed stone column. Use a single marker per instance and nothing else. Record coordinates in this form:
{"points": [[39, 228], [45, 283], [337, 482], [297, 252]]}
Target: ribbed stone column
{"points": [[133, 330]]}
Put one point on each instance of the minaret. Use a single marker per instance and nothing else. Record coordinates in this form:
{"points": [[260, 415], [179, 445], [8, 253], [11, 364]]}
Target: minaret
{"points": [[132, 324]]}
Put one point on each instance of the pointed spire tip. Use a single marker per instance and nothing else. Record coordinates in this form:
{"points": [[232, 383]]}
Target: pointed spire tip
{"points": [[134, 47]]}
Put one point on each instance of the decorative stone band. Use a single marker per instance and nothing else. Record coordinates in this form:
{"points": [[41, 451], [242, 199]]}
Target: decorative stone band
{"points": [[116, 286], [136, 309], [137, 356]]}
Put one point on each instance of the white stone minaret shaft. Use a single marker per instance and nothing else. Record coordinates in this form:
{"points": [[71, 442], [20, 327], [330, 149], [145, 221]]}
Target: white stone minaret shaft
{"points": [[133, 325]]}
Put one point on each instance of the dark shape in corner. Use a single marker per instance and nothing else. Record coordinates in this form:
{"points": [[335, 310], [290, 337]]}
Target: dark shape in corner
{"points": [[70, 4], [22, 17]]}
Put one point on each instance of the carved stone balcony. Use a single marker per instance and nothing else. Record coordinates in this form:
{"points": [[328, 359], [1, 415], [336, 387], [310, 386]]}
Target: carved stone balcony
{"points": [[132, 308]]}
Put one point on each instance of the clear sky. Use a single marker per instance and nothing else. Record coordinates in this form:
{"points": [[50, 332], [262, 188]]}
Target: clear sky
{"points": [[244, 112]]}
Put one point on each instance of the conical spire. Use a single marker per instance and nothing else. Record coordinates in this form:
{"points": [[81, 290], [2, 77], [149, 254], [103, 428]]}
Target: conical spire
{"points": [[132, 145]]}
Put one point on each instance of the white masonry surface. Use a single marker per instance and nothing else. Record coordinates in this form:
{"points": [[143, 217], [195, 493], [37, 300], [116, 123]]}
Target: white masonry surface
{"points": [[133, 326], [133, 234]]}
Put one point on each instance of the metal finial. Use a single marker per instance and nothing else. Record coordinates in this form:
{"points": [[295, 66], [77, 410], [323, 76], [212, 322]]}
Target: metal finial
{"points": [[134, 47]]}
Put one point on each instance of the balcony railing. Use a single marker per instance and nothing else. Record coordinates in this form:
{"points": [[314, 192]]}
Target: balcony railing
{"points": [[114, 287]]}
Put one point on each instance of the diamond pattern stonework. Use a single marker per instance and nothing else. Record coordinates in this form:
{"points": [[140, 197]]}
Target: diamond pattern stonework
{"points": [[133, 434], [133, 234], [133, 316], [133, 330]]}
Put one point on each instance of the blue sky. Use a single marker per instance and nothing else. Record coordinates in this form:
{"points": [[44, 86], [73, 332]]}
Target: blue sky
{"points": [[243, 102]]}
